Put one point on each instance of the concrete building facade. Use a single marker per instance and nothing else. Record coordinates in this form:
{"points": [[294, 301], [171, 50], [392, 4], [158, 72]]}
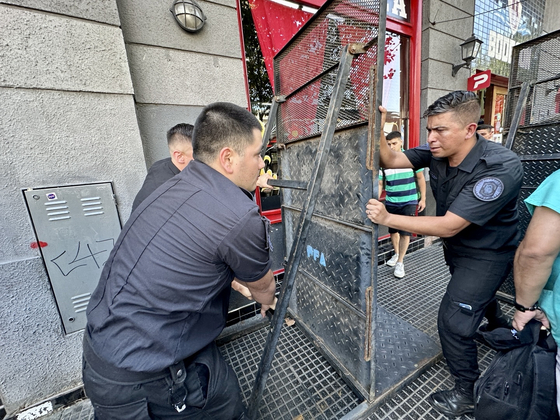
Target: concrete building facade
{"points": [[87, 91]]}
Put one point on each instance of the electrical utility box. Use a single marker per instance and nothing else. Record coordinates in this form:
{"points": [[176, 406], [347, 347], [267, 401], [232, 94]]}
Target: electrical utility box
{"points": [[76, 228]]}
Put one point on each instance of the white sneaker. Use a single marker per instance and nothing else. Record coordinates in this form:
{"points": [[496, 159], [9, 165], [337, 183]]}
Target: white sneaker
{"points": [[399, 270], [393, 260]]}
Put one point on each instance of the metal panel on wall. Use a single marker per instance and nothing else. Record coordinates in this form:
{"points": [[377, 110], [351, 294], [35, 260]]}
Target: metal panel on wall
{"points": [[76, 228], [532, 118]]}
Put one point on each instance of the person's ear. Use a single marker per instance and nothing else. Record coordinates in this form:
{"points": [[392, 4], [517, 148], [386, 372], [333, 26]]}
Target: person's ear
{"points": [[226, 159], [471, 130], [179, 157]]}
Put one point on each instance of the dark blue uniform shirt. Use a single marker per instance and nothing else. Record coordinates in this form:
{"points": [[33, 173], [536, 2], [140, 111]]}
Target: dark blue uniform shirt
{"points": [[483, 189], [159, 172], [164, 291]]}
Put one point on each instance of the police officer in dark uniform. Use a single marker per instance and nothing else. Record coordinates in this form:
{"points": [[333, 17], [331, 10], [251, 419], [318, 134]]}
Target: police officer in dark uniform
{"points": [[476, 184], [164, 291], [179, 142]]}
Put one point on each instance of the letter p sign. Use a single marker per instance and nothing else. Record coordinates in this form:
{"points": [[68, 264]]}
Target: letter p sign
{"points": [[479, 81]]}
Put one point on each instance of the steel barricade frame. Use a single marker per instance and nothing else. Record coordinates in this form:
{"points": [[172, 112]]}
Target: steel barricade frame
{"points": [[335, 292], [532, 119]]}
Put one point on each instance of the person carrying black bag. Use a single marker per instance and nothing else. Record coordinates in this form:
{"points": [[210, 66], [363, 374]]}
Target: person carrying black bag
{"points": [[537, 266]]}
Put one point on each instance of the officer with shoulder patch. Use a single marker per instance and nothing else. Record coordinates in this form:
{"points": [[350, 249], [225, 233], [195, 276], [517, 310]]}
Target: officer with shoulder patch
{"points": [[476, 184]]}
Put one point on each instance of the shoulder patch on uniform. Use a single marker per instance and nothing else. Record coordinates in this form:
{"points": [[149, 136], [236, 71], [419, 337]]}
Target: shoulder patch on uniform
{"points": [[488, 189]]}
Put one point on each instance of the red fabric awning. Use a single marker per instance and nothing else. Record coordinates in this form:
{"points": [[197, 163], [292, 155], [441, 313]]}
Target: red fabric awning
{"points": [[276, 25]]}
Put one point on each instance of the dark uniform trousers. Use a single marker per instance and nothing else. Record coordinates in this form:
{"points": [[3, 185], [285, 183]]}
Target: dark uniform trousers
{"points": [[470, 296], [210, 390]]}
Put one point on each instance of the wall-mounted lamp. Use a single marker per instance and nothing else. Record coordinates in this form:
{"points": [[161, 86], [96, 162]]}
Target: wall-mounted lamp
{"points": [[188, 15], [469, 51]]}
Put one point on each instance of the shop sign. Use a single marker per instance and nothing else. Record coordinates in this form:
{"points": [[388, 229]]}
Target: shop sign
{"points": [[500, 46], [479, 80], [399, 9]]}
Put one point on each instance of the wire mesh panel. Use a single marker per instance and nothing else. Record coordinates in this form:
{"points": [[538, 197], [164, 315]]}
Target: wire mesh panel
{"points": [[536, 62], [536, 125], [305, 70]]}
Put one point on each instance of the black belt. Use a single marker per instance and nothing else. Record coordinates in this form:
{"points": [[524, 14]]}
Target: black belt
{"points": [[177, 371]]}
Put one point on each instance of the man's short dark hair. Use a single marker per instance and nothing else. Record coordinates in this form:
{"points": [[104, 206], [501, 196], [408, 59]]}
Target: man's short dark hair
{"points": [[220, 125], [180, 131], [393, 135], [484, 127], [463, 103]]}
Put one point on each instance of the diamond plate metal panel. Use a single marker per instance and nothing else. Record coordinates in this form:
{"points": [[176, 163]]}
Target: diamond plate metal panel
{"points": [[536, 171], [277, 254], [539, 140], [337, 259], [345, 175], [338, 256], [400, 349], [400, 346], [339, 326]]}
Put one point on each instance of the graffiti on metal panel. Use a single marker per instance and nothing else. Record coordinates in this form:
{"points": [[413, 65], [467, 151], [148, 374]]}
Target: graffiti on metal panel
{"points": [[316, 255], [83, 255]]}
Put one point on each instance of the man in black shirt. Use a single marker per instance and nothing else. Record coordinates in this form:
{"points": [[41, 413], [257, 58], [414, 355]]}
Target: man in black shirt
{"points": [[163, 295], [475, 184], [179, 141]]}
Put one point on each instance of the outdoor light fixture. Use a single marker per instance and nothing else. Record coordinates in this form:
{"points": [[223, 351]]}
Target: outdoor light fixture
{"points": [[188, 15], [469, 51]]}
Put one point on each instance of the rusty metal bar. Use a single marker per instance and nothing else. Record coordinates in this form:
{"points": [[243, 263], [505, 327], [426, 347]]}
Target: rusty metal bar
{"points": [[271, 121], [521, 101]]}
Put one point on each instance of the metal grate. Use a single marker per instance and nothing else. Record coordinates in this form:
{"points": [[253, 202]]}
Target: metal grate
{"points": [[502, 24], [416, 297], [535, 134], [306, 69], [302, 382], [536, 62]]}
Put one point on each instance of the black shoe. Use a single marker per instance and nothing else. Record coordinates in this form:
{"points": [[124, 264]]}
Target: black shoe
{"points": [[453, 402]]}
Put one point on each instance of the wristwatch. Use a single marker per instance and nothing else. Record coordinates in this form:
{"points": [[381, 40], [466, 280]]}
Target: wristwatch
{"points": [[524, 309]]}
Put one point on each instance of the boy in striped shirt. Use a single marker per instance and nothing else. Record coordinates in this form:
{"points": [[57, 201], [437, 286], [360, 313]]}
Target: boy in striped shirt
{"points": [[402, 197]]}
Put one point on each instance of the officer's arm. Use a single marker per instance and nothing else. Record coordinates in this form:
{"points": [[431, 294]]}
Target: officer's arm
{"points": [[389, 158], [443, 226], [262, 291], [237, 286], [533, 262]]}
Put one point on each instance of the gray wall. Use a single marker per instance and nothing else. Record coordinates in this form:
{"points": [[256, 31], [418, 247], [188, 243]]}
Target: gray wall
{"points": [[440, 49], [175, 73], [79, 97]]}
